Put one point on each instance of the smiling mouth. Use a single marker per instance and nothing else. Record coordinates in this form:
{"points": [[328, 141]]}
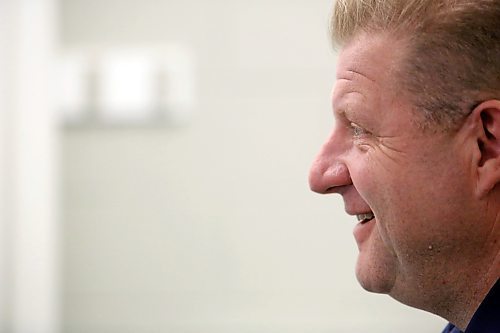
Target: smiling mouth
{"points": [[364, 218]]}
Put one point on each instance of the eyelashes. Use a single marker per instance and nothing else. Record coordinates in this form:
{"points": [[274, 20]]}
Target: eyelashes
{"points": [[357, 131], [361, 138]]}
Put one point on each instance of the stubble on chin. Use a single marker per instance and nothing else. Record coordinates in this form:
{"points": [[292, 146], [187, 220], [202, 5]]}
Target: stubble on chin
{"points": [[376, 267]]}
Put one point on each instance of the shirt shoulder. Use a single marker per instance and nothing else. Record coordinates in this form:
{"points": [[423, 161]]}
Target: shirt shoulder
{"points": [[486, 319], [451, 329]]}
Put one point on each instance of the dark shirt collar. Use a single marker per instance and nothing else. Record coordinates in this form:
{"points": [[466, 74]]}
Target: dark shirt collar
{"points": [[487, 316]]}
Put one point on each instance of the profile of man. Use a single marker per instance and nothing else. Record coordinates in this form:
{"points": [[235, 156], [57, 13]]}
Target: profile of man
{"points": [[415, 152]]}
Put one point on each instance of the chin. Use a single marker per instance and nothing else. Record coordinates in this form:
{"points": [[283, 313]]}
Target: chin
{"points": [[376, 276]]}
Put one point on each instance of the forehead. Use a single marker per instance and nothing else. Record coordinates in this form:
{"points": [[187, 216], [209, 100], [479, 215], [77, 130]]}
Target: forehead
{"points": [[366, 69], [369, 53]]}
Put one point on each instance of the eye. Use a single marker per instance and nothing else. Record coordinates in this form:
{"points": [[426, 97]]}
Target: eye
{"points": [[357, 131]]}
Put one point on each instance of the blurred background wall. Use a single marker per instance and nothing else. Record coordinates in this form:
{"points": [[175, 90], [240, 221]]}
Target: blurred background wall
{"points": [[195, 215], [29, 140]]}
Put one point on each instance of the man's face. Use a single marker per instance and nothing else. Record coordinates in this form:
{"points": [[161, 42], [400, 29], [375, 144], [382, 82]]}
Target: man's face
{"points": [[415, 183]]}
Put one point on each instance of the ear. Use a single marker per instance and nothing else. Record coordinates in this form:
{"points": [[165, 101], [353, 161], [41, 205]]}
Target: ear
{"points": [[486, 117]]}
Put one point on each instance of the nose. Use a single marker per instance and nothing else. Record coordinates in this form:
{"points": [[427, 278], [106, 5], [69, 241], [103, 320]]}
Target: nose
{"points": [[329, 173]]}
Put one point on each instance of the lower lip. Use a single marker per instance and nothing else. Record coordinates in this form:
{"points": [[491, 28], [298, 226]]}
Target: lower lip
{"points": [[363, 230]]}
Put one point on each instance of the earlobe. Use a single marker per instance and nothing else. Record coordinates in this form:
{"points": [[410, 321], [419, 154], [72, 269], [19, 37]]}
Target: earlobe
{"points": [[487, 117]]}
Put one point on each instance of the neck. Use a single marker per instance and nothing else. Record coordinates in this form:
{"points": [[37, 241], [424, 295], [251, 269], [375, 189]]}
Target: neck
{"points": [[456, 293], [468, 297], [466, 290]]}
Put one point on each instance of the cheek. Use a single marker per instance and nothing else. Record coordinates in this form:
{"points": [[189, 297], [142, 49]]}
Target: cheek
{"points": [[378, 189], [393, 195], [415, 200], [418, 210]]}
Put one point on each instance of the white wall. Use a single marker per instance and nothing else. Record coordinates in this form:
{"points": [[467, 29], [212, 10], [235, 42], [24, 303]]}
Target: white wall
{"points": [[28, 168], [211, 226], [3, 172]]}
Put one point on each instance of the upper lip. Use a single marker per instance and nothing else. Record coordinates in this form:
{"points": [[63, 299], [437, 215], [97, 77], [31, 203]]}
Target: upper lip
{"points": [[355, 205]]}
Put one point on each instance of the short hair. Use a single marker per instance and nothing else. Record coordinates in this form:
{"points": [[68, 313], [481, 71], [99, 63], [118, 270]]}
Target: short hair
{"points": [[452, 60]]}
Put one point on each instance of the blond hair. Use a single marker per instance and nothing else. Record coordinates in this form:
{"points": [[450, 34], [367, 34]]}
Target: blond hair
{"points": [[452, 58]]}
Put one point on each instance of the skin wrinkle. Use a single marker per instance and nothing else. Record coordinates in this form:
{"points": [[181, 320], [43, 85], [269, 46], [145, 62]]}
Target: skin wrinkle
{"points": [[382, 140], [440, 58], [418, 185], [388, 146], [361, 74]]}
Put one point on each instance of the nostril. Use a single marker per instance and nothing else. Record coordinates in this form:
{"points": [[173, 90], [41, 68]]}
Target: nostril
{"points": [[327, 178], [331, 189], [319, 184]]}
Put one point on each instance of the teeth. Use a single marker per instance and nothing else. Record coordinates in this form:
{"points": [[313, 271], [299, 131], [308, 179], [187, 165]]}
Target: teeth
{"points": [[365, 217]]}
